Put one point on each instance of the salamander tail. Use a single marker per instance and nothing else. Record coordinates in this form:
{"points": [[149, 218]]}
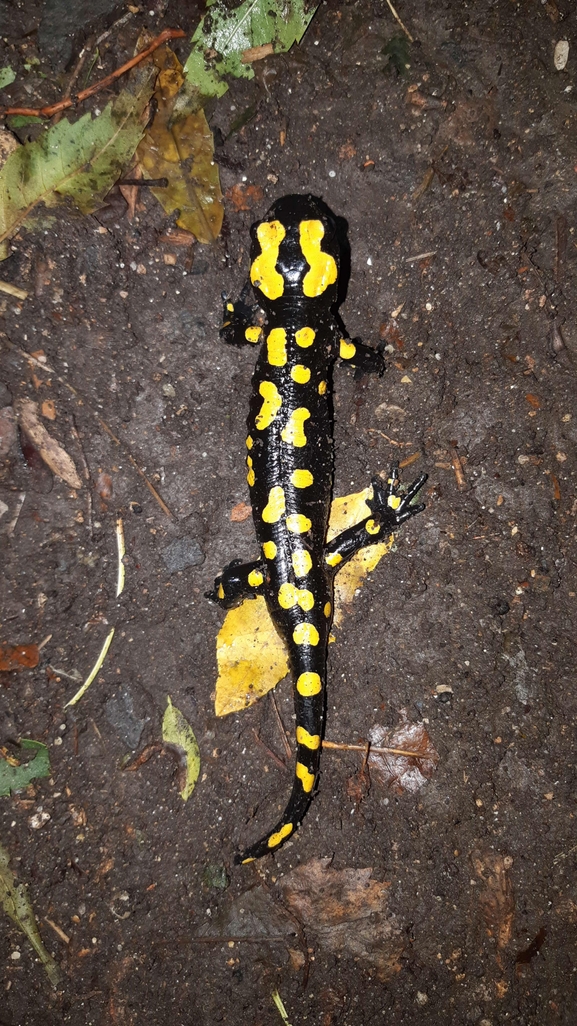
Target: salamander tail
{"points": [[298, 804]]}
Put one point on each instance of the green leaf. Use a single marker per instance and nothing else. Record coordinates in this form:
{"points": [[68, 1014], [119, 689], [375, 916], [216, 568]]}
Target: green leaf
{"points": [[398, 53], [16, 778], [81, 160], [177, 731], [21, 120], [7, 76], [230, 33], [16, 904]]}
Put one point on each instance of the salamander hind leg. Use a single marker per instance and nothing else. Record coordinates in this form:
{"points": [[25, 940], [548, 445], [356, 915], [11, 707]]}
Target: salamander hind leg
{"points": [[237, 582], [389, 510]]}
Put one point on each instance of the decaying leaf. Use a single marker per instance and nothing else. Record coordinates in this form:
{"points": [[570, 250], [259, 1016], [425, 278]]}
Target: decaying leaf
{"points": [[18, 657], [80, 160], [16, 904], [251, 656], [177, 731], [224, 36], [179, 147], [15, 776], [496, 897], [402, 772], [348, 911], [51, 452], [254, 913]]}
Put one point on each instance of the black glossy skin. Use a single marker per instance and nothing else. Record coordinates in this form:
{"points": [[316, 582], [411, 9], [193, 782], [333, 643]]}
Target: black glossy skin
{"points": [[273, 459]]}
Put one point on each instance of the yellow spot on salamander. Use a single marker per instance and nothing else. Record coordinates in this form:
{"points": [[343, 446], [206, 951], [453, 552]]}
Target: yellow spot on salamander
{"points": [[269, 550], [253, 334], [290, 596], [230, 307], [250, 476], [249, 442], [302, 562], [275, 506], [302, 478], [276, 347], [280, 835], [270, 407], [334, 558], [372, 528], [220, 592], [296, 523], [347, 349], [300, 374], [322, 387], [328, 610], [312, 741], [309, 684], [245, 862], [255, 578], [304, 337], [307, 779], [305, 634], [293, 432], [394, 501], [263, 273], [323, 269]]}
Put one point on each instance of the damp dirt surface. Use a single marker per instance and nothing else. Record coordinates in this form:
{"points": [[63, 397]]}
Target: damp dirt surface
{"points": [[458, 180]]}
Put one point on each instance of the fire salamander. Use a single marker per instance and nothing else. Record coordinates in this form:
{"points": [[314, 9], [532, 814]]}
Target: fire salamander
{"points": [[294, 273]]}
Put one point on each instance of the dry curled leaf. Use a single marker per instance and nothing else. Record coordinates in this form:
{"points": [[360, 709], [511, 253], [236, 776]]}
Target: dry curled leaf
{"points": [[348, 911], [496, 897], [18, 657], [52, 453], [402, 772]]}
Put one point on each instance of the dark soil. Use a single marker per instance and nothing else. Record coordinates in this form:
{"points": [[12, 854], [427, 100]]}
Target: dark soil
{"points": [[480, 595]]}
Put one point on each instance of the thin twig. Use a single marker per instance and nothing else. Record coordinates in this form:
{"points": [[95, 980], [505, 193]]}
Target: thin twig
{"points": [[13, 290], [94, 671], [50, 370], [374, 751], [420, 256], [396, 17], [86, 472], [270, 754], [121, 553], [282, 731], [70, 101]]}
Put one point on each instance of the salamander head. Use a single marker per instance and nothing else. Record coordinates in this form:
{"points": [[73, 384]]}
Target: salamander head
{"points": [[295, 251]]}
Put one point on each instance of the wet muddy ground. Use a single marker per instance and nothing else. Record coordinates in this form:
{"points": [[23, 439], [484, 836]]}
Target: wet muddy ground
{"points": [[459, 184]]}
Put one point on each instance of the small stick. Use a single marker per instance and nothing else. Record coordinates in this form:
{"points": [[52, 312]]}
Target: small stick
{"points": [[375, 431], [13, 290], [282, 731], [374, 751], [270, 754], [86, 476], [458, 468], [63, 936], [420, 256], [64, 104], [396, 17]]}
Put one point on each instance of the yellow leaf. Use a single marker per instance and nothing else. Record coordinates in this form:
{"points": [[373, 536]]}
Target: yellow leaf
{"points": [[176, 730], [251, 656], [179, 146]]}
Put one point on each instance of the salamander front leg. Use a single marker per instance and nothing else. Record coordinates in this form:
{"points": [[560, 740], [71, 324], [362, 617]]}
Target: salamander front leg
{"points": [[237, 582], [364, 359], [388, 509], [241, 323]]}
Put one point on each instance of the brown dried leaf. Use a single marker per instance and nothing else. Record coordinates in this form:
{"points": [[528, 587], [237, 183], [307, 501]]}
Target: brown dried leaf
{"points": [[51, 452], [17, 657], [348, 912], [240, 512], [402, 772], [244, 197], [104, 485], [496, 897]]}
